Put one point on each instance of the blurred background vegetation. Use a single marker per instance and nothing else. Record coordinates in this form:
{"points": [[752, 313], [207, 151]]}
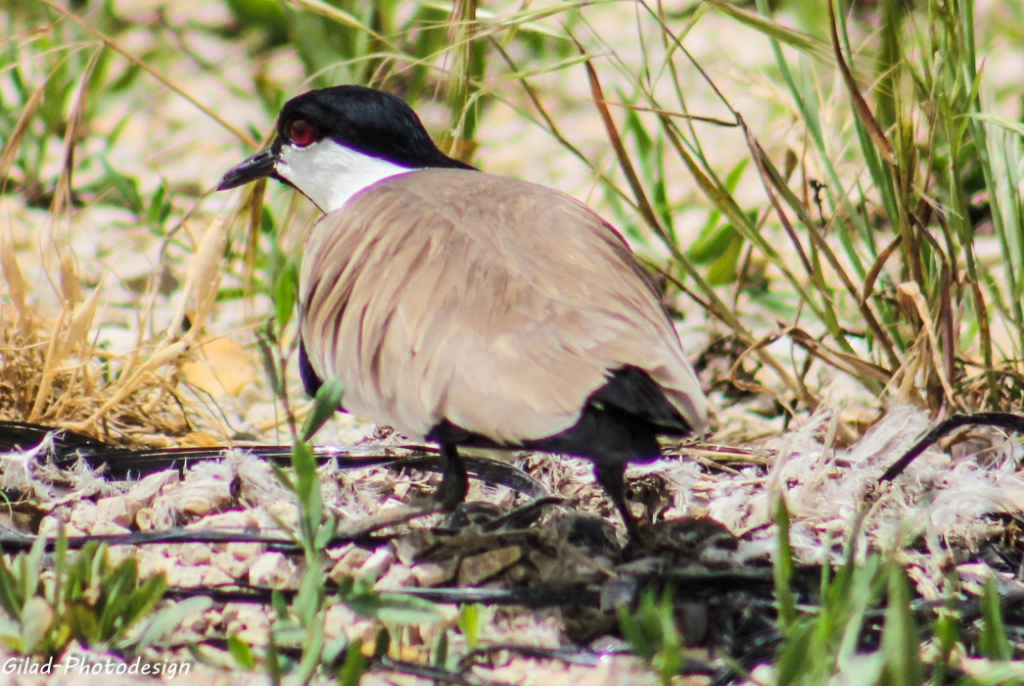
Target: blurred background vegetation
{"points": [[828, 192]]}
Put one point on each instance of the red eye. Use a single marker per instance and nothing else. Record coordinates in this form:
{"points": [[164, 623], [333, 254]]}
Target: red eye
{"points": [[301, 132]]}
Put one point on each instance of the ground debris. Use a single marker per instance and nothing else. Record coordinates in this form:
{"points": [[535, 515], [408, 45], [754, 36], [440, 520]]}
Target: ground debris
{"points": [[214, 528]]}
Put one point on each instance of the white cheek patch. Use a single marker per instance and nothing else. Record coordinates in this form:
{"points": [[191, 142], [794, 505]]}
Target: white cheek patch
{"points": [[329, 174]]}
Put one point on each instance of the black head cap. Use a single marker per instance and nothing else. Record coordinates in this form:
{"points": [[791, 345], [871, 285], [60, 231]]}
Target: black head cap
{"points": [[370, 121]]}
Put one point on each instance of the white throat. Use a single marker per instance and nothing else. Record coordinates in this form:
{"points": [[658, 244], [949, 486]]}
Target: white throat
{"points": [[329, 174]]}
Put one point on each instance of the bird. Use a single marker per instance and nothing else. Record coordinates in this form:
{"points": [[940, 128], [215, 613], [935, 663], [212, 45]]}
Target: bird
{"points": [[468, 309]]}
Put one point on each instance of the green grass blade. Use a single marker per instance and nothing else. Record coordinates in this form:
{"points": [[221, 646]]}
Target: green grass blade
{"points": [[900, 639], [993, 642]]}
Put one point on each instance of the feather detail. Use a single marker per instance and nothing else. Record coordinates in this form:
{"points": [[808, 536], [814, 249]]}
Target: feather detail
{"points": [[498, 305]]}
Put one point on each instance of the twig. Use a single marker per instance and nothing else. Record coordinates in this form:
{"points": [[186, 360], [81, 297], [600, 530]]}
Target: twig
{"points": [[1003, 420]]}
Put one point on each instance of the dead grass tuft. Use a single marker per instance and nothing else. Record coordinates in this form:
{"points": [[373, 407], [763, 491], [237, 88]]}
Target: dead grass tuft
{"points": [[51, 374]]}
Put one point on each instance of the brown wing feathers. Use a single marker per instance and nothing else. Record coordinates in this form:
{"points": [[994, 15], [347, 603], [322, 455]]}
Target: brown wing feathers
{"points": [[502, 317]]}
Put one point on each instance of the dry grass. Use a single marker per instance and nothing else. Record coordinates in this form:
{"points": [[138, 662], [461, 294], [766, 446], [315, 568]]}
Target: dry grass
{"points": [[134, 305]]}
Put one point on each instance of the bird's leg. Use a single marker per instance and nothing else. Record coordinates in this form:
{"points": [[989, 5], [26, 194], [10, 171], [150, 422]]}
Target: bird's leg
{"points": [[612, 477], [454, 481]]}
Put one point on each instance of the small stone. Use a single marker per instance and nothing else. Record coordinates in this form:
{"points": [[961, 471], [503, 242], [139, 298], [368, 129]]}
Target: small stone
{"points": [[144, 519], [195, 623], [336, 553], [431, 574], [341, 621], [71, 531], [114, 510], [83, 516], [230, 565], [201, 499], [286, 512], [150, 563], [186, 577], [50, 526], [479, 568], [143, 493], [195, 554], [407, 548], [206, 488], [233, 519], [105, 528], [244, 551], [397, 576], [378, 563], [216, 577], [119, 553], [248, 622], [271, 570], [161, 516], [354, 559]]}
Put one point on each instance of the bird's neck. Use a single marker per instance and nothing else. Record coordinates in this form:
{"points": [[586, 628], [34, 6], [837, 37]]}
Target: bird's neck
{"points": [[329, 174]]}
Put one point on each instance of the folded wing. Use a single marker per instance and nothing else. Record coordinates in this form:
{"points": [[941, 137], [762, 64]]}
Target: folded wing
{"points": [[495, 304]]}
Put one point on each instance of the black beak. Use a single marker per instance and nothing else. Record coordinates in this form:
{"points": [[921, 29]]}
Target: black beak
{"points": [[258, 166]]}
